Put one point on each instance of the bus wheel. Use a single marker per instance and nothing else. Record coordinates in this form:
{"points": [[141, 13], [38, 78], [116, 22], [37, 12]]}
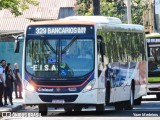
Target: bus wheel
{"points": [[119, 106], [138, 101], [43, 109], [68, 109], [129, 104], [158, 96], [77, 108], [100, 108]]}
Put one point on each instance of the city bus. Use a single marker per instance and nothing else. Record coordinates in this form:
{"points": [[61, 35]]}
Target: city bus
{"points": [[83, 61], [153, 48]]}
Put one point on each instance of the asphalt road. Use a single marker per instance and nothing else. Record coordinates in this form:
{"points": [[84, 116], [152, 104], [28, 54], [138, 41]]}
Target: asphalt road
{"points": [[149, 109]]}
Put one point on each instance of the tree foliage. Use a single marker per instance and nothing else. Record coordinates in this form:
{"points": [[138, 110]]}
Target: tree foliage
{"points": [[113, 9], [84, 7], [17, 6], [138, 7]]}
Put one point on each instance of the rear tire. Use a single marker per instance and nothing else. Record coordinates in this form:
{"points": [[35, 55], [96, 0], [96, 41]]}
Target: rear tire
{"points": [[43, 109], [119, 106], [138, 101], [158, 96]]}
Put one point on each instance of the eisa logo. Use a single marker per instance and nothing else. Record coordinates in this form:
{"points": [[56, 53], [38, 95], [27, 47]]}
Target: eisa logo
{"points": [[45, 90]]}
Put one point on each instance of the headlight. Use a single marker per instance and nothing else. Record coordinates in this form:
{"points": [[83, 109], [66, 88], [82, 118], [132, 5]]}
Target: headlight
{"points": [[29, 87], [89, 86]]}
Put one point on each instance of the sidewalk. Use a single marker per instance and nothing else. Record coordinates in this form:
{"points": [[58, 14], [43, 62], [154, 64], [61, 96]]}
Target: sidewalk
{"points": [[17, 104]]}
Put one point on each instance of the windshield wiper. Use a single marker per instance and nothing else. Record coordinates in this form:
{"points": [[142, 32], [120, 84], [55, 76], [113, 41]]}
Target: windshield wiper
{"points": [[72, 41], [49, 45]]}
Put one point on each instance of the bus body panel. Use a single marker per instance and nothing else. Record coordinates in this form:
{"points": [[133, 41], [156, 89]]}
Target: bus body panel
{"points": [[97, 96], [125, 71], [140, 84]]}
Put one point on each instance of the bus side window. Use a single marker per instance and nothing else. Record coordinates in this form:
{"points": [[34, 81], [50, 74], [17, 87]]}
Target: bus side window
{"points": [[101, 53], [101, 45]]}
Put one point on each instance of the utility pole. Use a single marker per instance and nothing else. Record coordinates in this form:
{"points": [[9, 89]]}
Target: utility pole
{"points": [[152, 16], [96, 7], [129, 12], [149, 18]]}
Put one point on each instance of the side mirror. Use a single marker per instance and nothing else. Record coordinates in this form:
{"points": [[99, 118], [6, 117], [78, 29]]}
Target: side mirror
{"points": [[16, 46], [17, 42]]}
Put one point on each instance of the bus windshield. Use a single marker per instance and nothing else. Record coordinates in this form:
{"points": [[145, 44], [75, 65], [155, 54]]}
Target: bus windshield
{"points": [[59, 58], [153, 47], [154, 61]]}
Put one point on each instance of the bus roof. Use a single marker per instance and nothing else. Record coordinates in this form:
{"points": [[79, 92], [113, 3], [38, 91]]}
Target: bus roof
{"points": [[102, 22], [95, 19], [62, 22], [122, 27], [153, 35], [78, 20], [109, 23]]}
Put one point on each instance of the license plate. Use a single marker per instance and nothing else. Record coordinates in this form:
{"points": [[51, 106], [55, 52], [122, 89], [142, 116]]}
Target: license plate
{"points": [[57, 101]]}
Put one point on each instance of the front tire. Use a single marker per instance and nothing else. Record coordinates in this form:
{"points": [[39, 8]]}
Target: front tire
{"points": [[119, 106], [100, 108], [138, 101], [77, 109], [43, 109], [68, 109]]}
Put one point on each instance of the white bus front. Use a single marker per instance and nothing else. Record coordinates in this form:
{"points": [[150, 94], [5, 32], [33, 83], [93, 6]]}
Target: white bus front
{"points": [[59, 67]]}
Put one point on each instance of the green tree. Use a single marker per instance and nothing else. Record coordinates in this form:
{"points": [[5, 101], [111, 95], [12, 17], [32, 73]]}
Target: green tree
{"points": [[137, 9], [113, 9], [84, 7], [17, 6], [117, 8]]}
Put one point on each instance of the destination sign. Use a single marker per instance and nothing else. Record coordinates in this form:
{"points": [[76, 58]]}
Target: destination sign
{"points": [[60, 30]]}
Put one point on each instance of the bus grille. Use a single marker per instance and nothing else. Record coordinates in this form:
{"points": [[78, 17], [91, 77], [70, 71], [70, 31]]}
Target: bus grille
{"points": [[66, 98]]}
